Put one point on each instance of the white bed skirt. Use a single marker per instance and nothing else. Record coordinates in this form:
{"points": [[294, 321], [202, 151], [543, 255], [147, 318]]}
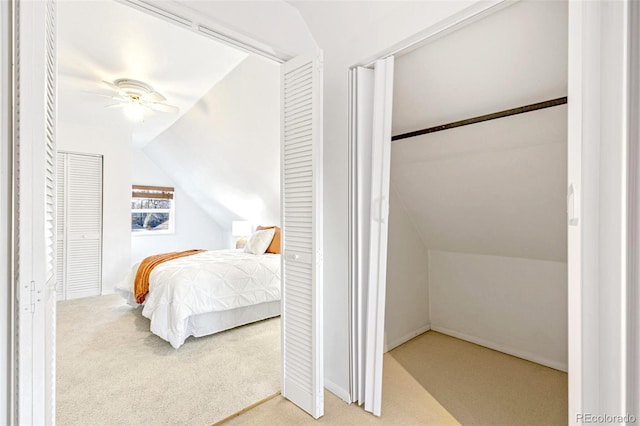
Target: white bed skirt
{"points": [[215, 322]]}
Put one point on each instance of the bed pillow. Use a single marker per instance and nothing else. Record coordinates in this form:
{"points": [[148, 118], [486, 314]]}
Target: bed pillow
{"points": [[274, 247], [259, 241]]}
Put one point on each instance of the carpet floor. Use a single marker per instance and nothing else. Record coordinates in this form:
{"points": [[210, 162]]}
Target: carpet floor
{"points": [[111, 370], [440, 380], [480, 386]]}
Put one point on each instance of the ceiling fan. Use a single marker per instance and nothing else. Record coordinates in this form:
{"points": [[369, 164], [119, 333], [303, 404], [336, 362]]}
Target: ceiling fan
{"points": [[137, 97]]}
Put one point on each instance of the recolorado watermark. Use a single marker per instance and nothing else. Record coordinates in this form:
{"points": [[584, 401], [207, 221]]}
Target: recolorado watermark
{"points": [[605, 418]]}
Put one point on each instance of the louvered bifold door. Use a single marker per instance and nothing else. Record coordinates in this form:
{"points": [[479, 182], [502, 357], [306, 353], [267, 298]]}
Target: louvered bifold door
{"points": [[34, 208], [50, 294], [83, 226], [302, 370], [60, 222]]}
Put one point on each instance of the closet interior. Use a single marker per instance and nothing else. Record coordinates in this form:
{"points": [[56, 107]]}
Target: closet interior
{"points": [[477, 246]]}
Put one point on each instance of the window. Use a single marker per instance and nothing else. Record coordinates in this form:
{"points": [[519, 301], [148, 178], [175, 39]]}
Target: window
{"points": [[152, 210]]}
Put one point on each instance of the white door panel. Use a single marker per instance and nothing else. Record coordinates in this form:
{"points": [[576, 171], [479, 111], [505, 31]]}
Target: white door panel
{"points": [[363, 84], [372, 139], [380, 176], [81, 227], [302, 372]]}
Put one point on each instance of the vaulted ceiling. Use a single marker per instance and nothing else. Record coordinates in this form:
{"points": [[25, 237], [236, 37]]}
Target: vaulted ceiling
{"points": [[106, 40], [225, 152], [222, 148], [498, 187]]}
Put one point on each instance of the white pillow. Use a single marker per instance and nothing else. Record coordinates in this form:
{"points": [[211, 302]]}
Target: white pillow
{"points": [[259, 241]]}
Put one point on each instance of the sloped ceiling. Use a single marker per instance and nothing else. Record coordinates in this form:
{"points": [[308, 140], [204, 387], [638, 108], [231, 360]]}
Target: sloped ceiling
{"points": [[350, 19], [514, 57], [105, 40], [497, 187], [225, 152], [223, 147]]}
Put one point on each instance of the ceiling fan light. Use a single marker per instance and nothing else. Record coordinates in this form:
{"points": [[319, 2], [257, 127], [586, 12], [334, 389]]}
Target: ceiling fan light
{"points": [[138, 98], [134, 110]]}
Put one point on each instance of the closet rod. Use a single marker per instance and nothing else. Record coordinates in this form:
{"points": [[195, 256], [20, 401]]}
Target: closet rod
{"points": [[486, 117]]}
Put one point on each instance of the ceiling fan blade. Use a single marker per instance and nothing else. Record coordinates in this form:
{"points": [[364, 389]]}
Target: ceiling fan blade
{"points": [[153, 97], [111, 85], [114, 97], [118, 105], [163, 107], [116, 88]]}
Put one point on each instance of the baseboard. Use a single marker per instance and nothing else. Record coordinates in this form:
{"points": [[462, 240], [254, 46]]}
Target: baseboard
{"points": [[556, 365], [397, 342], [337, 391], [107, 291]]}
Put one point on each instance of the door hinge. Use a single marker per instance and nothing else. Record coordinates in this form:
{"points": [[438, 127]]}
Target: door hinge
{"points": [[33, 297]]}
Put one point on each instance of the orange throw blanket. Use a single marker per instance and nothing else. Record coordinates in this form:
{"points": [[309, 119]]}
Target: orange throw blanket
{"points": [[141, 287]]}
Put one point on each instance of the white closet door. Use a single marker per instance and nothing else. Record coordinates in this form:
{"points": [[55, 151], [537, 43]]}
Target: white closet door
{"points": [[380, 176], [83, 226], [363, 79], [371, 145], [581, 20], [34, 198], [301, 194], [60, 221]]}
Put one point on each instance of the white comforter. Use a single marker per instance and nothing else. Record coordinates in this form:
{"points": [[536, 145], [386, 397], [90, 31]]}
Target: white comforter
{"points": [[205, 282]]}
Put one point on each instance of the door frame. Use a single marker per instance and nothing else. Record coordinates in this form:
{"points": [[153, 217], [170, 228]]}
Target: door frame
{"points": [[583, 286], [6, 160], [633, 193], [178, 15]]}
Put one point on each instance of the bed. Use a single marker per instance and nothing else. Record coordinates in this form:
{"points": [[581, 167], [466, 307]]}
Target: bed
{"points": [[208, 292]]}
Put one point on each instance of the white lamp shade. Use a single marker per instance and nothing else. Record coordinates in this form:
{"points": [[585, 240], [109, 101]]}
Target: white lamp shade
{"points": [[240, 228]]}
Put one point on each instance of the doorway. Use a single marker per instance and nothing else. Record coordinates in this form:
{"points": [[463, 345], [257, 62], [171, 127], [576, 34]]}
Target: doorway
{"points": [[423, 296], [301, 154], [197, 110], [477, 218]]}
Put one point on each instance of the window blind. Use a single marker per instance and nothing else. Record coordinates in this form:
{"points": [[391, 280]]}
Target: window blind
{"points": [[146, 191]]}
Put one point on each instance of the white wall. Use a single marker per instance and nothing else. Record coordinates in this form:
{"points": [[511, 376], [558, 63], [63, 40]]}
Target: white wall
{"points": [[514, 305], [114, 145], [193, 227], [496, 187], [407, 296], [225, 152]]}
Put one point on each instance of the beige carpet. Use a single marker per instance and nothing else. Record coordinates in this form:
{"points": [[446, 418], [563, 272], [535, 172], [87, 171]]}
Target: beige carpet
{"points": [[439, 380], [404, 403], [481, 386], [112, 371]]}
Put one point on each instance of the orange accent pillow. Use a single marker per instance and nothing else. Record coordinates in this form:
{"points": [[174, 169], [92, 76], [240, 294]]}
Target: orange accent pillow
{"points": [[274, 247]]}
